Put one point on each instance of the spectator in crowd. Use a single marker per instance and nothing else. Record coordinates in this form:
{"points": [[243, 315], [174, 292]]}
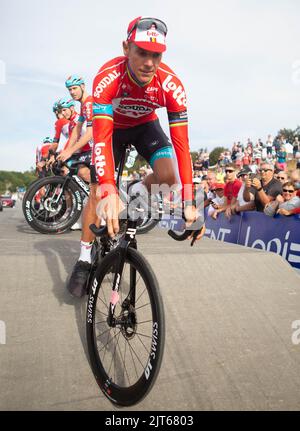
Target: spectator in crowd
{"points": [[257, 154], [298, 160], [198, 165], [135, 175], [295, 177], [238, 158], [227, 157], [265, 189], [284, 203], [281, 176], [296, 146], [220, 175], [234, 151], [205, 161], [269, 145], [210, 180], [249, 143], [217, 203], [231, 189], [281, 158], [221, 160], [241, 204], [246, 159], [277, 143]]}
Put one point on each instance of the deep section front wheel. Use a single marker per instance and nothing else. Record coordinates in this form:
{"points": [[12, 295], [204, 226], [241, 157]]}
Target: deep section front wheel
{"points": [[125, 356], [52, 205]]}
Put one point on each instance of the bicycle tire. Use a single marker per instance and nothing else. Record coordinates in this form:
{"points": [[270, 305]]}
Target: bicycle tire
{"points": [[126, 394], [146, 226], [28, 191], [59, 220]]}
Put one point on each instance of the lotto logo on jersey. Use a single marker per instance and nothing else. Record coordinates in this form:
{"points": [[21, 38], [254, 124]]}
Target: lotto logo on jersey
{"points": [[88, 110], [178, 92], [105, 82], [100, 161]]}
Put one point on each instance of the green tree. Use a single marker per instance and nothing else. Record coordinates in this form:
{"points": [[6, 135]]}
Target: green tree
{"points": [[10, 180], [215, 154], [288, 134]]}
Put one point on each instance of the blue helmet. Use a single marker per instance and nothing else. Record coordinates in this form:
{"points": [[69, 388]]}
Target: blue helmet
{"points": [[65, 102], [47, 140], [74, 80], [55, 107]]}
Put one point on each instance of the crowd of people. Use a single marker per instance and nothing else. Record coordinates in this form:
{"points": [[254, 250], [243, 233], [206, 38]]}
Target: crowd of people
{"points": [[252, 178]]}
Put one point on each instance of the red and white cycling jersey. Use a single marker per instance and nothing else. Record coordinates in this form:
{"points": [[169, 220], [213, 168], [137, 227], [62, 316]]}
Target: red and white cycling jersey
{"points": [[119, 102], [72, 123], [61, 127], [42, 152], [86, 115]]}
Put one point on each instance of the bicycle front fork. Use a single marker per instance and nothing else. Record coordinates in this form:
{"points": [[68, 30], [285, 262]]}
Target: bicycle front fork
{"points": [[128, 241]]}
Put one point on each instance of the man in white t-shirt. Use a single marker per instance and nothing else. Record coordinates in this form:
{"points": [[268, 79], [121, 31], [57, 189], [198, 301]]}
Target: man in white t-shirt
{"points": [[241, 204]]}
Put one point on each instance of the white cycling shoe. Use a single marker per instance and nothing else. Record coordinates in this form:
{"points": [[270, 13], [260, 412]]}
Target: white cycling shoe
{"points": [[77, 225]]}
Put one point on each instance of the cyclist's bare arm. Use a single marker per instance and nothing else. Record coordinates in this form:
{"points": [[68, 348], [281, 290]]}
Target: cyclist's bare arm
{"points": [[75, 135], [71, 146], [83, 140]]}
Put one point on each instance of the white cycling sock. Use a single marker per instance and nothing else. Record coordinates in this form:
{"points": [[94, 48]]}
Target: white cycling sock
{"points": [[85, 251]]}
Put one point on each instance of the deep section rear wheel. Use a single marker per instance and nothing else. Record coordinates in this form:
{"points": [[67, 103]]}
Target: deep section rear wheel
{"points": [[126, 356]]}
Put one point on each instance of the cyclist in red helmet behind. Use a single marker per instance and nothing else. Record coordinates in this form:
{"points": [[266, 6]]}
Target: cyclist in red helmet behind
{"points": [[126, 92]]}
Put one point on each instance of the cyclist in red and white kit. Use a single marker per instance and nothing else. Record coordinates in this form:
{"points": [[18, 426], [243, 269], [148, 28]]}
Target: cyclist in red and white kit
{"points": [[126, 92], [41, 156], [81, 139], [67, 107], [61, 128]]}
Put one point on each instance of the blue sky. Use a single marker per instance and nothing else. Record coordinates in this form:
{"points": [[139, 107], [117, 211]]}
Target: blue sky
{"points": [[239, 61]]}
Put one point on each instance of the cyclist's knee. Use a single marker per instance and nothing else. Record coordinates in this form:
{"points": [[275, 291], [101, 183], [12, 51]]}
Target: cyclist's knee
{"points": [[84, 173], [166, 178]]}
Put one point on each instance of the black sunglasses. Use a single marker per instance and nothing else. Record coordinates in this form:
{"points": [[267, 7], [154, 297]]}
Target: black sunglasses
{"points": [[146, 23], [288, 191], [228, 171]]}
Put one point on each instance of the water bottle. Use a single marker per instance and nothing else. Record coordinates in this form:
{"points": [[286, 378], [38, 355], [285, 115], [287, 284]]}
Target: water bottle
{"points": [[131, 159]]}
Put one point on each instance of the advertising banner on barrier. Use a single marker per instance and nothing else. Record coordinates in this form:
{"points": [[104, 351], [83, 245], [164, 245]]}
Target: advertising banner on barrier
{"points": [[253, 229], [223, 229], [279, 234]]}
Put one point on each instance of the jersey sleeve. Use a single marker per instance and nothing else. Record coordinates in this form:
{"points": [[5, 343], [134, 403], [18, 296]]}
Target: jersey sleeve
{"points": [[104, 89], [57, 131], [81, 115], [178, 123], [89, 112]]}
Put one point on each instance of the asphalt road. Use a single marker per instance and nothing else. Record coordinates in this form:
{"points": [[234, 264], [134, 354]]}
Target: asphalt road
{"points": [[230, 344]]}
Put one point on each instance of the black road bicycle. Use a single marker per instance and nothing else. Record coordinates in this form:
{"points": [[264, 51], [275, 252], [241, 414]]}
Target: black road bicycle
{"points": [[54, 203], [125, 324], [51, 205]]}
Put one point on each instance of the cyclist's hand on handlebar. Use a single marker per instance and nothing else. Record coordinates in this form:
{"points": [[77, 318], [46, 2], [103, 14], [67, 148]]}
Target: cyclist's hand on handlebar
{"points": [[109, 209], [200, 234], [191, 214], [64, 155], [50, 161]]}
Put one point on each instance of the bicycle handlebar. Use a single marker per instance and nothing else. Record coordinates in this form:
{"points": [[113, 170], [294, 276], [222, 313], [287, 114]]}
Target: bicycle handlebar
{"points": [[188, 232], [98, 231], [102, 230]]}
